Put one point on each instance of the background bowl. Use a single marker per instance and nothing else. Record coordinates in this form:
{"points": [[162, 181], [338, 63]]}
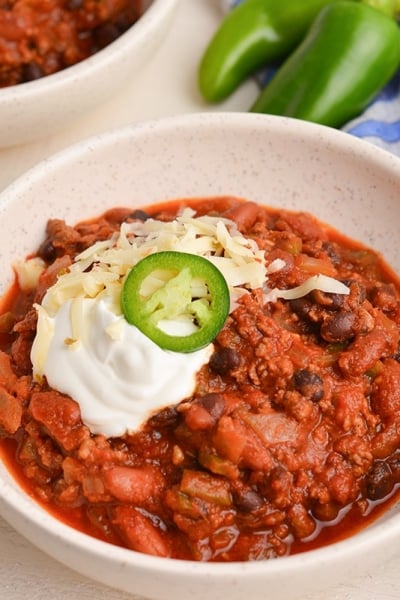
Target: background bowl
{"points": [[38, 108], [280, 162]]}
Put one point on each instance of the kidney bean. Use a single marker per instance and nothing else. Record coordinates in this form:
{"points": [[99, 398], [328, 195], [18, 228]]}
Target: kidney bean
{"points": [[244, 215], [133, 485], [139, 531]]}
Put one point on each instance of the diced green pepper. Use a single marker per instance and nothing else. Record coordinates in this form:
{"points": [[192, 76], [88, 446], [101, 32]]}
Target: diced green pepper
{"points": [[179, 300], [202, 485]]}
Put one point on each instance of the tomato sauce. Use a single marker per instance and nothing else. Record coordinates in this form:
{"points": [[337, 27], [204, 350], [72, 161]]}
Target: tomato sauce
{"points": [[41, 37], [291, 439]]}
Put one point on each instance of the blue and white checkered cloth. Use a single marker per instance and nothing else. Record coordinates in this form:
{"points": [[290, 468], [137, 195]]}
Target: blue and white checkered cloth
{"points": [[380, 121]]}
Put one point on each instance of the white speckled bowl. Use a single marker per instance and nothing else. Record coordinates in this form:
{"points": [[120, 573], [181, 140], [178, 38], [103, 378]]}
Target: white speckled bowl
{"points": [[38, 108], [349, 183]]}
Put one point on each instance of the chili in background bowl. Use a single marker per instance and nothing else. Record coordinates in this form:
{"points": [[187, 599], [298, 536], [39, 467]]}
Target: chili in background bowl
{"points": [[280, 162], [41, 105]]}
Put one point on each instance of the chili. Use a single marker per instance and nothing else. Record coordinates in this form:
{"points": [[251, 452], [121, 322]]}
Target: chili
{"points": [[349, 53], [45, 36], [176, 299], [291, 439]]}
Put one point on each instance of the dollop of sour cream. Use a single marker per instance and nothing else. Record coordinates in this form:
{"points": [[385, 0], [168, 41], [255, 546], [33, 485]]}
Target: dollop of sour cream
{"points": [[84, 346], [119, 376]]}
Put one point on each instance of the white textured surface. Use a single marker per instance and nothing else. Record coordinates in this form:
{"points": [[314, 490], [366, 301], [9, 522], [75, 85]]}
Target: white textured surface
{"points": [[26, 572]]}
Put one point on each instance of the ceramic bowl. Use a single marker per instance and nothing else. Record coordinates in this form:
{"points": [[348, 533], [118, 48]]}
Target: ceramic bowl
{"points": [[280, 162], [36, 109]]}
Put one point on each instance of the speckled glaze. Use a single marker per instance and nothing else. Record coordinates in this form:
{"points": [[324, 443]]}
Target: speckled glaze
{"points": [[38, 108], [348, 183]]}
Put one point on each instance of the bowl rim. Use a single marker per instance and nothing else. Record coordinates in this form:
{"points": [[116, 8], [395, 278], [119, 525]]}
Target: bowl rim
{"points": [[16, 501], [240, 120], [91, 66]]}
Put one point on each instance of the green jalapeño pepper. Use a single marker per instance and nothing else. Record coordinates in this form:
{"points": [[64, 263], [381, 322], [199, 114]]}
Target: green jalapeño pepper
{"points": [[179, 300], [255, 33], [350, 52]]}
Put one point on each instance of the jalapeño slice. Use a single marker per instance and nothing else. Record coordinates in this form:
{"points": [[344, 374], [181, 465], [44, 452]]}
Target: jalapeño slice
{"points": [[179, 300]]}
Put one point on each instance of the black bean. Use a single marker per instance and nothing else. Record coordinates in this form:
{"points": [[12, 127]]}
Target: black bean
{"points": [[105, 34], [337, 301], [379, 481], [124, 22], [331, 250], [309, 384], [164, 417], [328, 301], [302, 307], [47, 251], [248, 500], [31, 71], [139, 215], [213, 404], [339, 327], [224, 360], [74, 4]]}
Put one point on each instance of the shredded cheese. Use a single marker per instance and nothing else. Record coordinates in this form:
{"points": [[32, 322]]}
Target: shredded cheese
{"points": [[100, 270], [316, 282]]}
